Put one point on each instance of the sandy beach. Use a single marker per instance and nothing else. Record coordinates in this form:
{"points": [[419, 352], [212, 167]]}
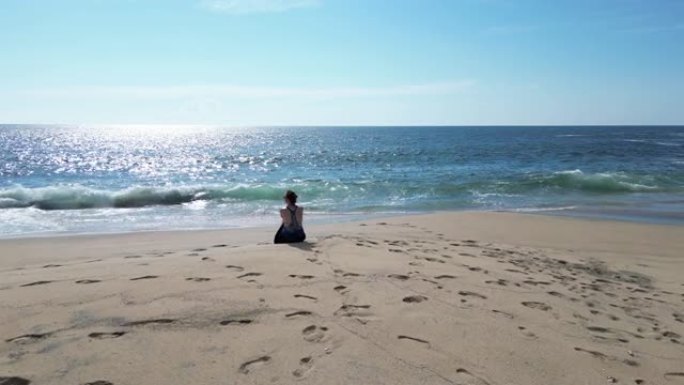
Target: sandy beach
{"points": [[450, 298]]}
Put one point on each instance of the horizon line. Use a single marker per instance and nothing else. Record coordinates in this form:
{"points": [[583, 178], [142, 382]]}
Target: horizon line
{"points": [[342, 125]]}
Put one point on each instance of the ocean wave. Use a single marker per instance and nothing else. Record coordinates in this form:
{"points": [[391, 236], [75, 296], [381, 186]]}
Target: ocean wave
{"points": [[616, 182], [74, 197], [340, 195]]}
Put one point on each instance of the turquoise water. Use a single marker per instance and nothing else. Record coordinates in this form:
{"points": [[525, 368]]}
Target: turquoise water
{"points": [[56, 179]]}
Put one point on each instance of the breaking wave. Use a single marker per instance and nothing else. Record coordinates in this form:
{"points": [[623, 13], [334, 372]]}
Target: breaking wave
{"points": [[80, 197], [598, 182], [73, 197]]}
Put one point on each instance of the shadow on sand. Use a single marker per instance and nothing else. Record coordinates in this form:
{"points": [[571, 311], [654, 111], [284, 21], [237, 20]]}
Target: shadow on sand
{"points": [[306, 246]]}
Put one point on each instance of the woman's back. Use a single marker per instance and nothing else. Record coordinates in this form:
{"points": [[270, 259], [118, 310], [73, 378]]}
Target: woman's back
{"points": [[291, 230], [292, 217]]}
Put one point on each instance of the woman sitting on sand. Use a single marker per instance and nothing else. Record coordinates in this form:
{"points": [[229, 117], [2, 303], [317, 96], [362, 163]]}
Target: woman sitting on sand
{"points": [[291, 230]]}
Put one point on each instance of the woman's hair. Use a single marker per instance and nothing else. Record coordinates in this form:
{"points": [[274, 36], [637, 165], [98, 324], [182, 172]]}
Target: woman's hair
{"points": [[291, 196]]}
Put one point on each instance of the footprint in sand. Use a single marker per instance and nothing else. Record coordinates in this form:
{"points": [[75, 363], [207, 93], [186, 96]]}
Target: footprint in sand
{"points": [[437, 285], [87, 281], [339, 272], [305, 365], [630, 363], [503, 313], [301, 276], [199, 250], [218, 246], [14, 381], [314, 333], [400, 277], [252, 274], [158, 321], [298, 313], [51, 265], [341, 289], [431, 259], [500, 282], [132, 256], [465, 377], [670, 334], [527, 334], [473, 268], [251, 364], [99, 382], [28, 338], [305, 296], [515, 271], [536, 305], [236, 322], [352, 310], [235, 268], [198, 279], [592, 352], [471, 294], [105, 335], [445, 276], [145, 277], [598, 329], [415, 299], [674, 376], [36, 283], [403, 337]]}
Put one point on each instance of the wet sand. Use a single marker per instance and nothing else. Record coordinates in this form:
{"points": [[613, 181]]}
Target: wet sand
{"points": [[450, 298]]}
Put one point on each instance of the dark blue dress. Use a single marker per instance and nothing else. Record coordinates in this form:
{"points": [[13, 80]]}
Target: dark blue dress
{"points": [[290, 234]]}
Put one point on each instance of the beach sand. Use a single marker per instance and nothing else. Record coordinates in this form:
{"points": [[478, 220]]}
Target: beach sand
{"points": [[450, 298]]}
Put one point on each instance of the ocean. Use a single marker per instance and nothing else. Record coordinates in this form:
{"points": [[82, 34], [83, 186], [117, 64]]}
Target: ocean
{"points": [[100, 179]]}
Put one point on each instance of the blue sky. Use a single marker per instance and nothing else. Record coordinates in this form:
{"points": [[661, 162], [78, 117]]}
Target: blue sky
{"points": [[342, 62]]}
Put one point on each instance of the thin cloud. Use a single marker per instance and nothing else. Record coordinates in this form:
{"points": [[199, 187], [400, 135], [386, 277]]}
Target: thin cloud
{"points": [[247, 92], [241, 7]]}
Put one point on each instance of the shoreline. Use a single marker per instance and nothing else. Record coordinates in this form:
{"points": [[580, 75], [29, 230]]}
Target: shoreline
{"points": [[334, 218]]}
